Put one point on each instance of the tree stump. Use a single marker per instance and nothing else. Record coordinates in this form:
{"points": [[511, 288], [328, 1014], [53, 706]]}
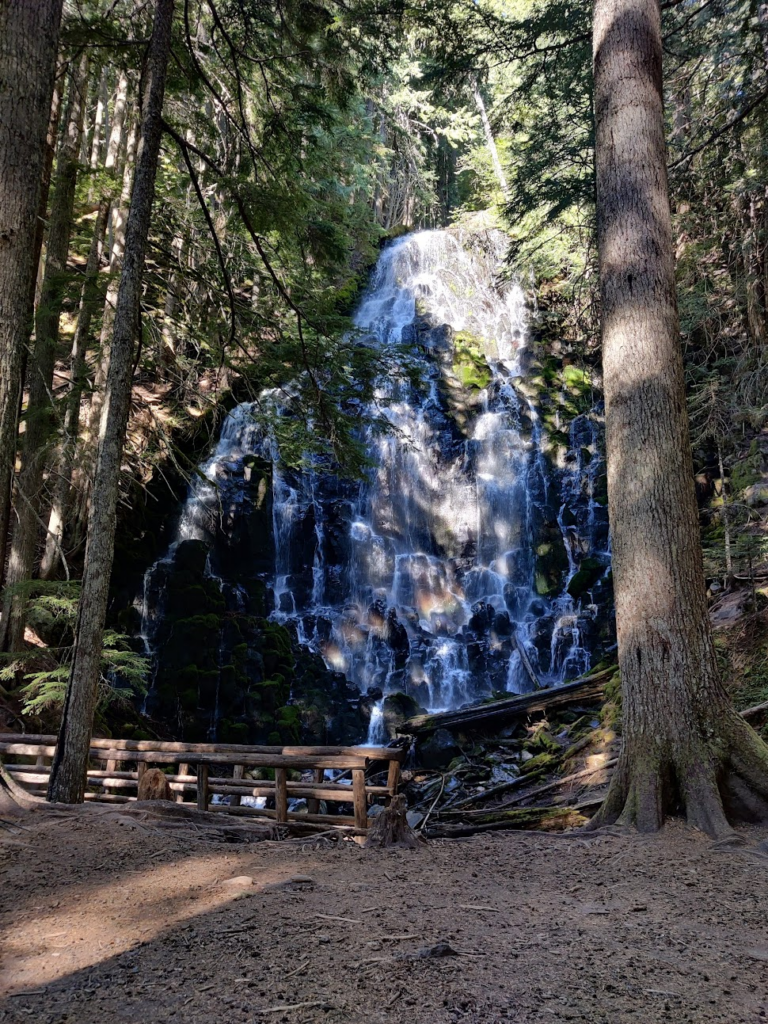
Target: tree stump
{"points": [[391, 828]]}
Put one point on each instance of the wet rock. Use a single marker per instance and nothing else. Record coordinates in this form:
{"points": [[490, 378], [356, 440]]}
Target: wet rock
{"points": [[396, 709], [438, 750]]}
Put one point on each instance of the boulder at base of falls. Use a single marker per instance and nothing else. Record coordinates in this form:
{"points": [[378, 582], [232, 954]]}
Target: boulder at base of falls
{"points": [[438, 750], [396, 709]]}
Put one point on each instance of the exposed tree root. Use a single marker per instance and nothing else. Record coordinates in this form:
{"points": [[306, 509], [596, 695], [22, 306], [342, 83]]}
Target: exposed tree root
{"points": [[713, 782]]}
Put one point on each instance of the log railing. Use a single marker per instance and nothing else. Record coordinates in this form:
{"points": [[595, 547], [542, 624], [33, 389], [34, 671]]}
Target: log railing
{"points": [[114, 782]]}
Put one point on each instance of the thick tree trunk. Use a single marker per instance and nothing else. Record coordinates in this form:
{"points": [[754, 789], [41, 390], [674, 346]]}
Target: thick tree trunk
{"points": [[29, 37], [684, 745], [39, 422], [89, 301], [68, 772], [42, 210]]}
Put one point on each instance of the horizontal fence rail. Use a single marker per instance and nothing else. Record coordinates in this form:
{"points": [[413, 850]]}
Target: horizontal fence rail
{"points": [[113, 782]]}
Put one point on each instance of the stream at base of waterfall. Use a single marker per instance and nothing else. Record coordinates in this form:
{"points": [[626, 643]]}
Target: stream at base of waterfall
{"points": [[476, 533]]}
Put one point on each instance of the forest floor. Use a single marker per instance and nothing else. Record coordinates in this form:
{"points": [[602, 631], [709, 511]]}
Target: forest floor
{"points": [[106, 919]]}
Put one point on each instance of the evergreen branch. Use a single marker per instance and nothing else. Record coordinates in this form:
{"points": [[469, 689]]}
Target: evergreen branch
{"points": [[744, 112], [217, 244]]}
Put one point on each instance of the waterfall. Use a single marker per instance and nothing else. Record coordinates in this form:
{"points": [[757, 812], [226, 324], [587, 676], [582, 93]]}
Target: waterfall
{"points": [[476, 544], [423, 578]]}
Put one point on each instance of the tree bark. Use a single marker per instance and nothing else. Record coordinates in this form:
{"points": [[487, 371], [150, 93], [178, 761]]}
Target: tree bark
{"points": [[29, 38], [68, 772], [118, 223], [684, 744], [42, 209], [39, 421], [89, 301]]}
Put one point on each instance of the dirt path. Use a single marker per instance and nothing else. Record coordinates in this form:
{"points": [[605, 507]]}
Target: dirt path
{"points": [[107, 923]]}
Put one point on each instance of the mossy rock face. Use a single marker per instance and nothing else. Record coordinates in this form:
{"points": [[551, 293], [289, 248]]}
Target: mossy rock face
{"points": [[396, 709], [470, 366], [748, 471], [551, 561], [589, 572]]}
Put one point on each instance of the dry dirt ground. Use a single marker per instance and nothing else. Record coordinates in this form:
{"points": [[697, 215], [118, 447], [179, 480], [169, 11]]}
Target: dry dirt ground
{"points": [[105, 921]]}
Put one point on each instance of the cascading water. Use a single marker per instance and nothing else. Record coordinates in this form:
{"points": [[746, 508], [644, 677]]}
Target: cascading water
{"points": [[424, 578], [450, 572]]}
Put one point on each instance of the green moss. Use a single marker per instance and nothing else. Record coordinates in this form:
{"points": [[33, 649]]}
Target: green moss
{"points": [[748, 471], [576, 379], [469, 363], [590, 571]]}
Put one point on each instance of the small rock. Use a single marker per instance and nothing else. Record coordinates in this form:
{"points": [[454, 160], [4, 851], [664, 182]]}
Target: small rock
{"points": [[414, 818], [324, 939], [239, 881], [300, 880]]}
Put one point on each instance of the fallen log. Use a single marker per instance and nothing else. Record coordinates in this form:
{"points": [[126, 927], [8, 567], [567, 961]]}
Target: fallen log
{"points": [[526, 662], [533, 793], [756, 711], [588, 688], [550, 819]]}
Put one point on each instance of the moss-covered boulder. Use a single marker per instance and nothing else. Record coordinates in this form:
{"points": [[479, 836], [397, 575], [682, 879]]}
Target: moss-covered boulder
{"points": [[589, 572]]}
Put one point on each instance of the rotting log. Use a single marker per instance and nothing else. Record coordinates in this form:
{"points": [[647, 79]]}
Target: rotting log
{"points": [[588, 688], [483, 815], [544, 818]]}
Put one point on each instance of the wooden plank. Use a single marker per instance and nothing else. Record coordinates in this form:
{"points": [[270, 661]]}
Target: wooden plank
{"points": [[34, 741], [281, 794], [237, 773], [359, 797], [337, 788], [339, 763], [202, 787], [342, 795], [323, 819]]}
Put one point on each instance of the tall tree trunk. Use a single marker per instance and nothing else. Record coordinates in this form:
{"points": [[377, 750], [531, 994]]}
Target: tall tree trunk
{"points": [[68, 772], [29, 38], [40, 422], [684, 745], [42, 210], [118, 224], [89, 299]]}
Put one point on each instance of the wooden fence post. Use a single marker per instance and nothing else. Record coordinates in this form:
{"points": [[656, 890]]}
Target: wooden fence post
{"points": [[359, 798], [202, 787], [393, 777], [237, 773], [313, 804], [183, 770], [281, 794]]}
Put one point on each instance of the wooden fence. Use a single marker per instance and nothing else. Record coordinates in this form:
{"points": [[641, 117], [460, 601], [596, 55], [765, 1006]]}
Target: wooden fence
{"points": [[115, 781]]}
